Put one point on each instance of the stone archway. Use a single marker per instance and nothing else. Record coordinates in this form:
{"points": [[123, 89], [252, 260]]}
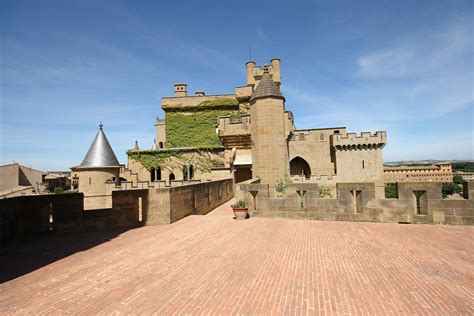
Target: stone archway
{"points": [[299, 167]]}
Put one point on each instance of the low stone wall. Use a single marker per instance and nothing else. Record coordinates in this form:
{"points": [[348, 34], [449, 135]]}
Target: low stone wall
{"points": [[358, 202], [167, 205], [27, 216]]}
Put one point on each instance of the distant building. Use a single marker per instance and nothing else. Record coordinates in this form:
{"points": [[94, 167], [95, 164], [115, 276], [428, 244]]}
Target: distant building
{"points": [[439, 172], [467, 176], [56, 180], [16, 179]]}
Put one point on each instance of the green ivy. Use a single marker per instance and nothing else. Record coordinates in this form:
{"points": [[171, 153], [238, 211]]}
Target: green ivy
{"points": [[196, 129], [201, 158]]}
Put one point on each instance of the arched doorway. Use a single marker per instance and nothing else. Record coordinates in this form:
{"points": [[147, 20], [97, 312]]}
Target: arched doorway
{"points": [[299, 167], [172, 177]]}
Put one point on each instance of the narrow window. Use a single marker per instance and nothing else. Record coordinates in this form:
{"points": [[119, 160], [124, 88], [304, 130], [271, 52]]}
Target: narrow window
{"points": [[90, 181], [191, 172], [158, 173], [152, 175], [160, 144], [363, 164], [185, 172], [140, 210]]}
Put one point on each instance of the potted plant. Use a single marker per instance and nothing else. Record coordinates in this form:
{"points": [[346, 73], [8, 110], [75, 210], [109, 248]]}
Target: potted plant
{"points": [[240, 210]]}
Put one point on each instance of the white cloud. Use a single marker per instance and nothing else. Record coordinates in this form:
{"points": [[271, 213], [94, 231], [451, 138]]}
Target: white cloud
{"points": [[420, 54]]}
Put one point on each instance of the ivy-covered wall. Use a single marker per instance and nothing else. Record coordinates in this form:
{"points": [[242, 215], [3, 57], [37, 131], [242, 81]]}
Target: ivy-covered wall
{"points": [[203, 159], [196, 126]]}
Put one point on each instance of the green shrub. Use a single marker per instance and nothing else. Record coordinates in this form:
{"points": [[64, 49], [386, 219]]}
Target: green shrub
{"points": [[324, 193], [391, 191], [58, 190], [281, 185]]}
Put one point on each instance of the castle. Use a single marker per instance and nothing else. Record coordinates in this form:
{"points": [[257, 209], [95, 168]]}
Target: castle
{"points": [[209, 148], [250, 134]]}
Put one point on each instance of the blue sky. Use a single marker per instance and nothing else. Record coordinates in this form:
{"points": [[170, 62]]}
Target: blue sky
{"points": [[401, 66]]}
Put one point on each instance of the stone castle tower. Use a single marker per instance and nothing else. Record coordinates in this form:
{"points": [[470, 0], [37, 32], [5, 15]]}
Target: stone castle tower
{"points": [[269, 141], [99, 166]]}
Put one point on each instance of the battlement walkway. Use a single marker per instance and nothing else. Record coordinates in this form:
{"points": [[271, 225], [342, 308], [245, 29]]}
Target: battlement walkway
{"points": [[214, 264]]}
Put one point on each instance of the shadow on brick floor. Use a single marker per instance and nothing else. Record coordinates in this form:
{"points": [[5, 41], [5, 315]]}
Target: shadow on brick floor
{"points": [[22, 257]]}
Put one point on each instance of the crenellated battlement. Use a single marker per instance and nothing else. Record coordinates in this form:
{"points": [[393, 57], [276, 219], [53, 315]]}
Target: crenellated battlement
{"points": [[366, 140]]}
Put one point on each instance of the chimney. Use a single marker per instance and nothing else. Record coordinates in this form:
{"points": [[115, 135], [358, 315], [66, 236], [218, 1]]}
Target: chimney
{"points": [[180, 90]]}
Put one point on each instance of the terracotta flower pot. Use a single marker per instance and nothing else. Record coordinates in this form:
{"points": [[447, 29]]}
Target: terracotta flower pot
{"points": [[240, 213]]}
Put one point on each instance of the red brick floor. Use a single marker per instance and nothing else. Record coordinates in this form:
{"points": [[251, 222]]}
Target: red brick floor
{"points": [[215, 265]]}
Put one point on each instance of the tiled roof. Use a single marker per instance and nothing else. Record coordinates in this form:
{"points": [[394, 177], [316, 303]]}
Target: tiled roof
{"points": [[266, 88]]}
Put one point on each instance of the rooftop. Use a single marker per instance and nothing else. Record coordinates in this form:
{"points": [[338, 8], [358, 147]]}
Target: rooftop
{"points": [[100, 154], [214, 264]]}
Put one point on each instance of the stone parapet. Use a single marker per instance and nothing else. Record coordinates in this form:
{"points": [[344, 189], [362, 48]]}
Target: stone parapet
{"points": [[420, 203], [199, 102], [365, 140]]}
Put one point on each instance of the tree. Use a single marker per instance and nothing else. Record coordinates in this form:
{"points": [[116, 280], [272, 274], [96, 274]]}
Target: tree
{"points": [[450, 189], [58, 190], [458, 179]]}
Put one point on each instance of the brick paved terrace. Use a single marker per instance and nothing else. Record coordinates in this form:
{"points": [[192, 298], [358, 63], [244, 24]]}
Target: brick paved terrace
{"points": [[214, 264]]}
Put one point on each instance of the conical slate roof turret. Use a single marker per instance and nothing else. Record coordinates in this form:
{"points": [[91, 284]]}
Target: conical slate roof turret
{"points": [[100, 154], [266, 88]]}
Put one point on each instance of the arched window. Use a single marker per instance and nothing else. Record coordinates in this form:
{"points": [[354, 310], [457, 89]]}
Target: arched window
{"points": [[171, 177], [155, 174], [191, 172], [299, 167], [160, 144]]}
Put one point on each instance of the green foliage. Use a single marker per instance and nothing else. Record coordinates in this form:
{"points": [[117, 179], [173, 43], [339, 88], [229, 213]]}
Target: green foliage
{"points": [[282, 184], [194, 129], [391, 191], [324, 193], [450, 189], [218, 103], [467, 166], [201, 158], [58, 190], [458, 179], [239, 204]]}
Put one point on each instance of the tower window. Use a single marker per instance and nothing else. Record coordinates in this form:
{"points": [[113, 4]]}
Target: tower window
{"points": [[363, 164], [191, 172], [90, 181]]}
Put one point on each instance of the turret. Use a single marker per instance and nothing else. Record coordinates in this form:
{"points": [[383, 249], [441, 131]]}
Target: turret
{"points": [[99, 166], [268, 133]]}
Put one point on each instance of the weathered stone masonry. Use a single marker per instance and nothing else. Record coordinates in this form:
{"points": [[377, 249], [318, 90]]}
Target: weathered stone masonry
{"points": [[358, 202]]}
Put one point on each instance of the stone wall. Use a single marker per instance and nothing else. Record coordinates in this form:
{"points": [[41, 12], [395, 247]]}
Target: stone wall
{"points": [[9, 177], [28, 216], [359, 202], [167, 205], [92, 184], [314, 146]]}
